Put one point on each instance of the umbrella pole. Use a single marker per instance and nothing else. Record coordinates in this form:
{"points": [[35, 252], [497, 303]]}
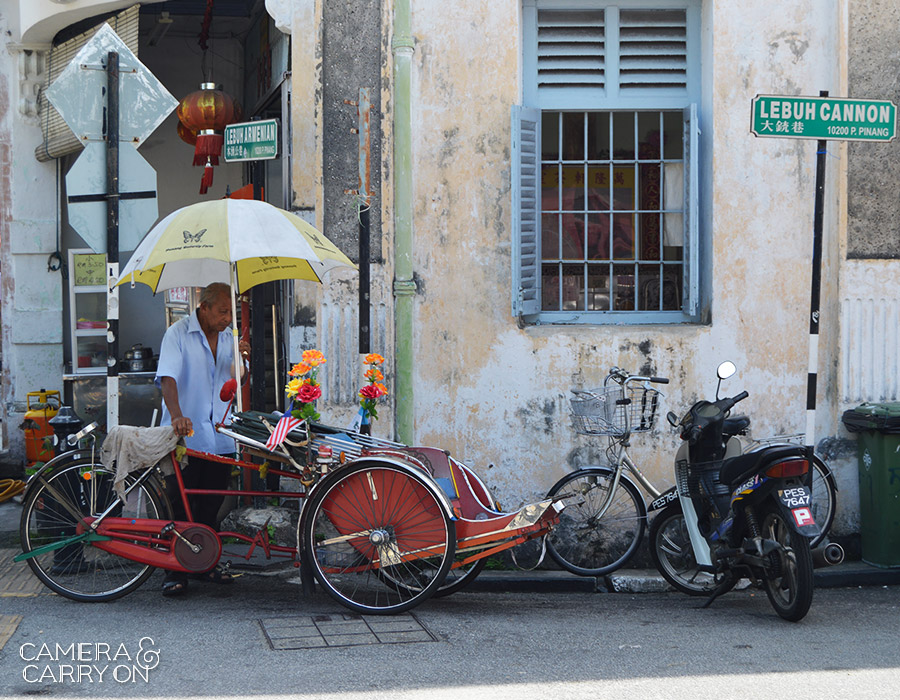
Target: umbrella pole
{"points": [[234, 335]]}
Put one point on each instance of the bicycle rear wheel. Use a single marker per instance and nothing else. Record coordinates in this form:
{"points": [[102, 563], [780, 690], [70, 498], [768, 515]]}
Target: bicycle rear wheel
{"points": [[824, 499], [53, 508], [586, 542]]}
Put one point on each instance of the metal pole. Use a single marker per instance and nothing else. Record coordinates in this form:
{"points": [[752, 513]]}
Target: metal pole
{"points": [[365, 287], [403, 47], [815, 293], [258, 315], [112, 240]]}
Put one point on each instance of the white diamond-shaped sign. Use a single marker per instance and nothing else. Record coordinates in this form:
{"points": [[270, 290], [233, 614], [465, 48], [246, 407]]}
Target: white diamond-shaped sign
{"points": [[79, 93], [87, 177]]}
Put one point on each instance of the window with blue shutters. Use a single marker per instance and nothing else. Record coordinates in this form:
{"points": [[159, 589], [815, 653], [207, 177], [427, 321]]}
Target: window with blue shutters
{"points": [[606, 163]]}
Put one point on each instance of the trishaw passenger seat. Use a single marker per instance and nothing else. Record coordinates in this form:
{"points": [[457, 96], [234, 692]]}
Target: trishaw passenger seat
{"points": [[447, 487]]}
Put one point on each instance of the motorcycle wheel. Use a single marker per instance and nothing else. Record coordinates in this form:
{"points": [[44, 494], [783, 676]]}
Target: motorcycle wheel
{"points": [[673, 556], [789, 569]]}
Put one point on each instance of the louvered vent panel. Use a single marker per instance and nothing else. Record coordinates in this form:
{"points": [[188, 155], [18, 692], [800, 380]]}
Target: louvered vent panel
{"points": [[652, 49], [571, 50], [58, 137]]}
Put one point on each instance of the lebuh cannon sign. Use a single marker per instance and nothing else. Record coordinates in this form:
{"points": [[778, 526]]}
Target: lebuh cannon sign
{"points": [[831, 118]]}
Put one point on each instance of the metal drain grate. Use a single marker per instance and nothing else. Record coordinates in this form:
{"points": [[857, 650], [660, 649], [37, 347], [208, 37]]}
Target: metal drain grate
{"points": [[346, 630]]}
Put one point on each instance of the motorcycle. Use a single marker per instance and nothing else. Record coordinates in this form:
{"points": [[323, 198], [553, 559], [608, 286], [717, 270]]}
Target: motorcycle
{"points": [[734, 516]]}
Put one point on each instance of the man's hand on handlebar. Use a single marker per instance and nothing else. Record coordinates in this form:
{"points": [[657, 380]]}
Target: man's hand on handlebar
{"points": [[183, 426]]}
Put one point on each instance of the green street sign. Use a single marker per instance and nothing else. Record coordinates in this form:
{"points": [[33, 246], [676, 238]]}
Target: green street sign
{"points": [[836, 118], [251, 141]]}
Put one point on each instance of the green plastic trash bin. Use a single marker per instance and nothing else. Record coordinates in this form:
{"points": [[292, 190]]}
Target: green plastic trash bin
{"points": [[878, 446]]}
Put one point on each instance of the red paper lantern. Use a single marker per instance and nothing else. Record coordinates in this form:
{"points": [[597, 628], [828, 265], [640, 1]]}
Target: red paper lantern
{"points": [[207, 111], [186, 135]]}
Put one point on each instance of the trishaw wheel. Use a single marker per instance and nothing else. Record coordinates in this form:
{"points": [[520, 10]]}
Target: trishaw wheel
{"points": [[377, 538], [459, 578], [55, 503], [455, 580]]}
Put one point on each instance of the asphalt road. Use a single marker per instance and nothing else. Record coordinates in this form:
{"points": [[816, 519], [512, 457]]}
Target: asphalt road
{"points": [[234, 641]]}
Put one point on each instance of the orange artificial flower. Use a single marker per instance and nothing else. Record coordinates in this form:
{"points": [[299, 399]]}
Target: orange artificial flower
{"points": [[313, 358], [299, 370], [373, 359], [374, 375]]}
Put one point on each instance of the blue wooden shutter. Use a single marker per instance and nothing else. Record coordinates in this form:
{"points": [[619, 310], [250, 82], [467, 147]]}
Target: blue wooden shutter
{"points": [[526, 230], [691, 211]]}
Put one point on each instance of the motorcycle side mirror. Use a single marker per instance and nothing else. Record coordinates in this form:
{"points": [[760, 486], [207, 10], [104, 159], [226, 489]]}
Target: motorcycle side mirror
{"points": [[672, 418], [724, 370]]}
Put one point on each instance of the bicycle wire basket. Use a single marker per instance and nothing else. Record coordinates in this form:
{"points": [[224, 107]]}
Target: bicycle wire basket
{"points": [[614, 410]]}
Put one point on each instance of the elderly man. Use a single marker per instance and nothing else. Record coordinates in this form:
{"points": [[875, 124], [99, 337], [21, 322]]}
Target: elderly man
{"points": [[196, 357]]}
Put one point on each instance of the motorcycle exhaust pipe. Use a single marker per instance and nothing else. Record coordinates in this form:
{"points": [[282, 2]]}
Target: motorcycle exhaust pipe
{"points": [[827, 555]]}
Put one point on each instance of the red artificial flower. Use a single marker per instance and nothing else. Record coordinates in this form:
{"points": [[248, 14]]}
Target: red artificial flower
{"points": [[308, 393], [371, 391]]}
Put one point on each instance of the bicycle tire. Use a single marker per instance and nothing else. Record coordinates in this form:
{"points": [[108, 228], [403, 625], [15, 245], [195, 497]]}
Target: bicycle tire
{"points": [[673, 556], [580, 543], [380, 499], [824, 499], [80, 571]]}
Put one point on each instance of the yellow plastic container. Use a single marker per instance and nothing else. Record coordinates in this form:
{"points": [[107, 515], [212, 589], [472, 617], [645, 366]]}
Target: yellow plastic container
{"points": [[42, 406]]}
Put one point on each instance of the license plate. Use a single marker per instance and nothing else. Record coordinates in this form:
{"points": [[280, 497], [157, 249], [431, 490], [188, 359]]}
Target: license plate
{"points": [[797, 500]]}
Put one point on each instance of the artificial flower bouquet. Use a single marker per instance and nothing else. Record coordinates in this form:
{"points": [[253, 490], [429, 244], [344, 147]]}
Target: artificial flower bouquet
{"points": [[373, 390], [304, 387]]}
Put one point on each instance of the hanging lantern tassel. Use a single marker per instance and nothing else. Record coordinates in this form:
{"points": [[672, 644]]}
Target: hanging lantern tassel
{"points": [[208, 147], [207, 178]]}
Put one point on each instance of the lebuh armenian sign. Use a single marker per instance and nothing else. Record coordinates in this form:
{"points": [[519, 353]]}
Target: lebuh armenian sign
{"points": [[830, 118], [251, 140]]}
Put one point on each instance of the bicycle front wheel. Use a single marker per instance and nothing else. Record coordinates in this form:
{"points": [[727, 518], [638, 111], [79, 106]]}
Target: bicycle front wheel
{"points": [[588, 540], [53, 508]]}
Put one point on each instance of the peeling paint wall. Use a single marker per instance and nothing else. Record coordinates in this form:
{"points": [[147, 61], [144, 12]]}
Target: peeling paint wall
{"points": [[31, 304], [496, 393]]}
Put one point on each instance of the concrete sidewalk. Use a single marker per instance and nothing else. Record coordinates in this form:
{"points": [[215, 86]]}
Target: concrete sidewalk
{"points": [[851, 573]]}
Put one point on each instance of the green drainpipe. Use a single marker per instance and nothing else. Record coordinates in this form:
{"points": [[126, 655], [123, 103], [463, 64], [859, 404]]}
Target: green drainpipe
{"points": [[404, 284]]}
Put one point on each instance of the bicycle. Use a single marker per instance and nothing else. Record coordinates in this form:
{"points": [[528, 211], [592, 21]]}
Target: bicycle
{"points": [[606, 515]]}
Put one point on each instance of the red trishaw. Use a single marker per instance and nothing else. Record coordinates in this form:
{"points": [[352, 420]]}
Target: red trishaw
{"points": [[382, 526]]}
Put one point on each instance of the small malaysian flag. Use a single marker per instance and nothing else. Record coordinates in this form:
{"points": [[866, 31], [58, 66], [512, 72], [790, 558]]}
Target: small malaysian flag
{"points": [[284, 426]]}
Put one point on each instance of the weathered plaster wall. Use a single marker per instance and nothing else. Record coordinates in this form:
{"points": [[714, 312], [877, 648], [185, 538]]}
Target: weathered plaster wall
{"points": [[493, 392], [31, 294], [874, 68]]}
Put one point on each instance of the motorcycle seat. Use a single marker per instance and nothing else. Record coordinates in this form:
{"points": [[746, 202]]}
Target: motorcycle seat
{"points": [[736, 425], [741, 468]]}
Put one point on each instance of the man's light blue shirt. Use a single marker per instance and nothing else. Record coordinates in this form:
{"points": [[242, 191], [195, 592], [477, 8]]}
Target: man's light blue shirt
{"points": [[185, 356]]}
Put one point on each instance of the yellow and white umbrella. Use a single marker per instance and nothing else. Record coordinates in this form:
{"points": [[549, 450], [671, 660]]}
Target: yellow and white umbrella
{"points": [[241, 242]]}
